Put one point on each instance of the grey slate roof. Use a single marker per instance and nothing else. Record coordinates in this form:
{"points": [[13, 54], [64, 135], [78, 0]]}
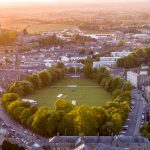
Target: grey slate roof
{"points": [[98, 139], [107, 147], [131, 139], [64, 139]]}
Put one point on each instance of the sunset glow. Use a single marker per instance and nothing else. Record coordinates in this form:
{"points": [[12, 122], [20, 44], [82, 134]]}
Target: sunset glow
{"points": [[22, 1]]}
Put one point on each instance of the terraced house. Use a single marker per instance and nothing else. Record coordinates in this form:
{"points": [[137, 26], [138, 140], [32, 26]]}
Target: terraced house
{"points": [[99, 143]]}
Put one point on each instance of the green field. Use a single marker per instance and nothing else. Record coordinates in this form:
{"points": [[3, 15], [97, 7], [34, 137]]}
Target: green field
{"points": [[87, 92], [38, 28]]}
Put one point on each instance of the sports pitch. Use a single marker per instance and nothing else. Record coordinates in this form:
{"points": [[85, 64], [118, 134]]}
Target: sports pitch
{"points": [[83, 91]]}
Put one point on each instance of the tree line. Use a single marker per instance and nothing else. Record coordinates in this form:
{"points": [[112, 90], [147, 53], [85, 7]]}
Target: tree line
{"points": [[51, 41], [145, 130], [8, 145], [36, 81], [68, 119], [7, 37], [135, 59], [81, 38], [89, 26]]}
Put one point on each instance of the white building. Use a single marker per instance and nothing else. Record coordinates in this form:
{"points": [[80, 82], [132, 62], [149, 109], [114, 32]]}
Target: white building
{"points": [[64, 59], [78, 58], [99, 36], [110, 61], [138, 78], [147, 93], [105, 62], [133, 78], [120, 54], [48, 63]]}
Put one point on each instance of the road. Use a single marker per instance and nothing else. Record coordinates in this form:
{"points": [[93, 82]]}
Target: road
{"points": [[135, 116], [21, 134]]}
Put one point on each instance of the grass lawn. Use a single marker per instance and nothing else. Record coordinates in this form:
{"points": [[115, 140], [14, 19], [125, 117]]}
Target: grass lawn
{"points": [[87, 92], [37, 28]]}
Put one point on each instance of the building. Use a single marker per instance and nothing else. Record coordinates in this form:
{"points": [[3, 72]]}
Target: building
{"points": [[105, 62], [139, 77], [110, 61], [48, 63], [78, 58], [147, 93], [99, 143], [74, 65], [64, 59], [120, 54]]}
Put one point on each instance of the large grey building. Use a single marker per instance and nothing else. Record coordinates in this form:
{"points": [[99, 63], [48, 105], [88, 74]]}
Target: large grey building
{"points": [[99, 143], [139, 77]]}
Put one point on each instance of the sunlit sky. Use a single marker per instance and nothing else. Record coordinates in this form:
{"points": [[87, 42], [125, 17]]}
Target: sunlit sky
{"points": [[16, 1]]}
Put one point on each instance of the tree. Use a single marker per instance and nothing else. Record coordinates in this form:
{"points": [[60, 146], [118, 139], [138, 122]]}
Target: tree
{"points": [[127, 86], [7, 37], [45, 77], [101, 74], [22, 88], [34, 80], [27, 87], [7, 145], [53, 122], [68, 126], [16, 87], [100, 115], [71, 70], [40, 119], [25, 114], [17, 112], [145, 130], [135, 59], [64, 106], [8, 98], [60, 65], [25, 32], [88, 124], [87, 70], [121, 43], [117, 123], [13, 105], [82, 52]]}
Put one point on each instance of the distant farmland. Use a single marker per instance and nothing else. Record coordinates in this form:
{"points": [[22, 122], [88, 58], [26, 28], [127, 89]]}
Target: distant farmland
{"points": [[37, 28]]}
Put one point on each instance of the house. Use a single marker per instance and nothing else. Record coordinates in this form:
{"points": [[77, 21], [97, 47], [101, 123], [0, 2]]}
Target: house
{"points": [[78, 58], [120, 54], [147, 93], [99, 143], [64, 59], [139, 77], [48, 63]]}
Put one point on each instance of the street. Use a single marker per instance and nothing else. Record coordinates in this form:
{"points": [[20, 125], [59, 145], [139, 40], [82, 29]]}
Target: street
{"points": [[135, 115], [18, 133]]}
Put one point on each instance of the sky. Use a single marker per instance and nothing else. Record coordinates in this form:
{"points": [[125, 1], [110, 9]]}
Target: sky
{"points": [[16, 1]]}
